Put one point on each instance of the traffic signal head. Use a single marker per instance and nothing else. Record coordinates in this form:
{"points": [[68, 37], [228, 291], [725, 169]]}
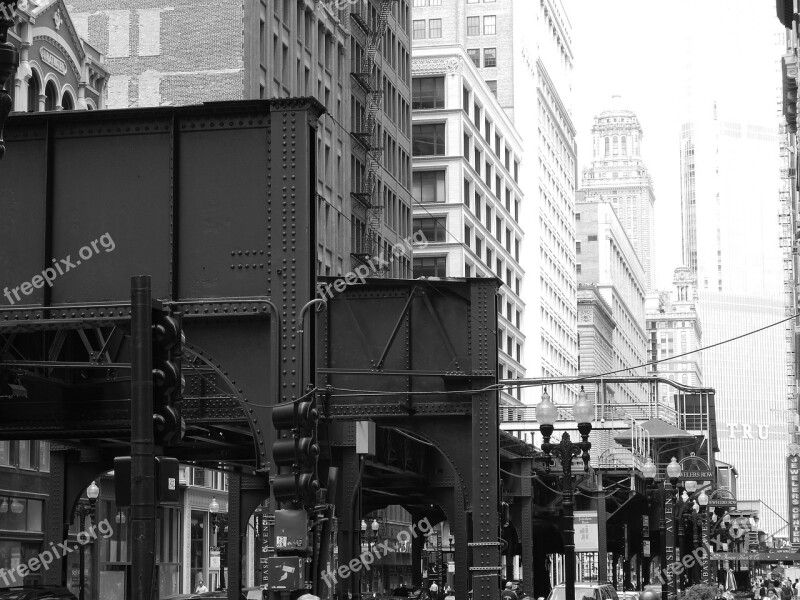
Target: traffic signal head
{"points": [[295, 452], [168, 379]]}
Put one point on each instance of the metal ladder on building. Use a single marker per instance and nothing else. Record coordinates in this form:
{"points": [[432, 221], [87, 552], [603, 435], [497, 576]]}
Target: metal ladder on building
{"points": [[366, 129]]}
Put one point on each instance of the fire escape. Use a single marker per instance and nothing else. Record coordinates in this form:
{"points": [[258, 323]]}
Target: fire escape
{"points": [[365, 123]]}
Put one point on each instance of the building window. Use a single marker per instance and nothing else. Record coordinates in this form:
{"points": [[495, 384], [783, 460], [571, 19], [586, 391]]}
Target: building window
{"points": [[490, 57], [516, 171], [418, 29], [5, 453], [428, 186], [492, 85], [578, 268], [435, 28], [34, 87], [466, 145], [465, 100], [577, 247], [474, 55], [420, 3], [430, 266], [577, 216], [433, 229], [606, 146], [66, 102], [467, 193], [489, 25], [427, 92], [592, 238], [624, 145], [473, 25], [467, 235], [428, 139]]}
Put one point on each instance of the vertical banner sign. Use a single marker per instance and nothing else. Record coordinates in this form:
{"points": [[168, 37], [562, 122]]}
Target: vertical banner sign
{"points": [[646, 526], [669, 546], [704, 557], [793, 472], [586, 534]]}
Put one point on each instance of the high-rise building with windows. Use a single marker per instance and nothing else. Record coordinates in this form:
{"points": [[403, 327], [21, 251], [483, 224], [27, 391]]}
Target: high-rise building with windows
{"points": [[730, 201], [466, 190], [609, 265], [353, 56], [617, 174], [523, 50], [673, 330]]}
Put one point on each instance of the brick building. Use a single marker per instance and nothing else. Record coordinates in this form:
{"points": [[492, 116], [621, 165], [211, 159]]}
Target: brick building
{"points": [[58, 68], [352, 55]]}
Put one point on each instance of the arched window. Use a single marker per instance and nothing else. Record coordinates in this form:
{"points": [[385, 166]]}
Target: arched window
{"points": [[50, 96], [607, 150], [624, 145], [66, 102], [616, 145], [34, 89]]}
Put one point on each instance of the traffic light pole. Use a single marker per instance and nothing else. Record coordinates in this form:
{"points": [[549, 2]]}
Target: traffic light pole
{"points": [[142, 442]]}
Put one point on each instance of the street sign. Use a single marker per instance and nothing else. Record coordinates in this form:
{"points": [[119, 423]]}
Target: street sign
{"points": [[726, 502], [586, 534], [757, 556], [696, 475]]}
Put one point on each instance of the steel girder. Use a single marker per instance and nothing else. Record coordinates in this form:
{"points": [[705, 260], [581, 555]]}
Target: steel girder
{"points": [[420, 356]]}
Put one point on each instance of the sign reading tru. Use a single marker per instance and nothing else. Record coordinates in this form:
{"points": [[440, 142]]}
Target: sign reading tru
{"points": [[745, 431]]}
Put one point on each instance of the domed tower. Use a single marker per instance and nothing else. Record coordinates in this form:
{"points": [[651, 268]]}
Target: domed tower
{"points": [[618, 175]]}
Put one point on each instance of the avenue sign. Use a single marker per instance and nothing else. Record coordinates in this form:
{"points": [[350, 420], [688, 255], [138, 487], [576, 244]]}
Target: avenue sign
{"points": [[757, 556]]}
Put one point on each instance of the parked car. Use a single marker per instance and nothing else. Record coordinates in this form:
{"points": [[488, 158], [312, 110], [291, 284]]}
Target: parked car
{"points": [[628, 595], [36, 592], [584, 589]]}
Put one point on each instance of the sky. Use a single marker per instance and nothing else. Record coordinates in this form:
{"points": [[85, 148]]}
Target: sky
{"points": [[669, 60]]}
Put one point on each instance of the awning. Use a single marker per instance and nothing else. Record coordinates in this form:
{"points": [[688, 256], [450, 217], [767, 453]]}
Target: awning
{"points": [[658, 430]]}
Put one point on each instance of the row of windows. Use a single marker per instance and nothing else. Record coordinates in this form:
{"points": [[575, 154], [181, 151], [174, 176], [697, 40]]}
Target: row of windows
{"points": [[433, 29], [489, 57], [477, 111], [498, 222], [52, 99], [25, 454], [489, 25]]}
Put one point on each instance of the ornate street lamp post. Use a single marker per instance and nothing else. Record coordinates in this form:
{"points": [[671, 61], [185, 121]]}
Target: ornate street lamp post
{"points": [[565, 451], [9, 61], [82, 511], [663, 497]]}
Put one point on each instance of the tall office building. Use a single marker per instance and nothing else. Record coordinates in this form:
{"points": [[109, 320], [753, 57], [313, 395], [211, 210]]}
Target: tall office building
{"points": [[353, 56], [673, 329], [466, 191], [609, 264], [523, 50], [617, 174], [730, 200]]}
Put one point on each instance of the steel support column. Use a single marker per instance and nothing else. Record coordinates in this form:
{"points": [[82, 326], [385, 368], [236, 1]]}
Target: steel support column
{"points": [[55, 527], [602, 535], [526, 526], [245, 493]]}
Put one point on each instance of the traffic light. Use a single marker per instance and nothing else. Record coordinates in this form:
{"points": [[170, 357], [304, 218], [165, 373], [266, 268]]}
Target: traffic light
{"points": [[168, 380], [296, 452]]}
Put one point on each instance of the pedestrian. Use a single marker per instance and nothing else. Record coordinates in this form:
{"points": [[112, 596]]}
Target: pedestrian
{"points": [[434, 591], [796, 588], [508, 593]]}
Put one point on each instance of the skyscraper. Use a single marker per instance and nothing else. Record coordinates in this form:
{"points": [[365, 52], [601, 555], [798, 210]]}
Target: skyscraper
{"points": [[466, 191], [618, 175], [354, 56], [729, 197], [524, 52]]}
